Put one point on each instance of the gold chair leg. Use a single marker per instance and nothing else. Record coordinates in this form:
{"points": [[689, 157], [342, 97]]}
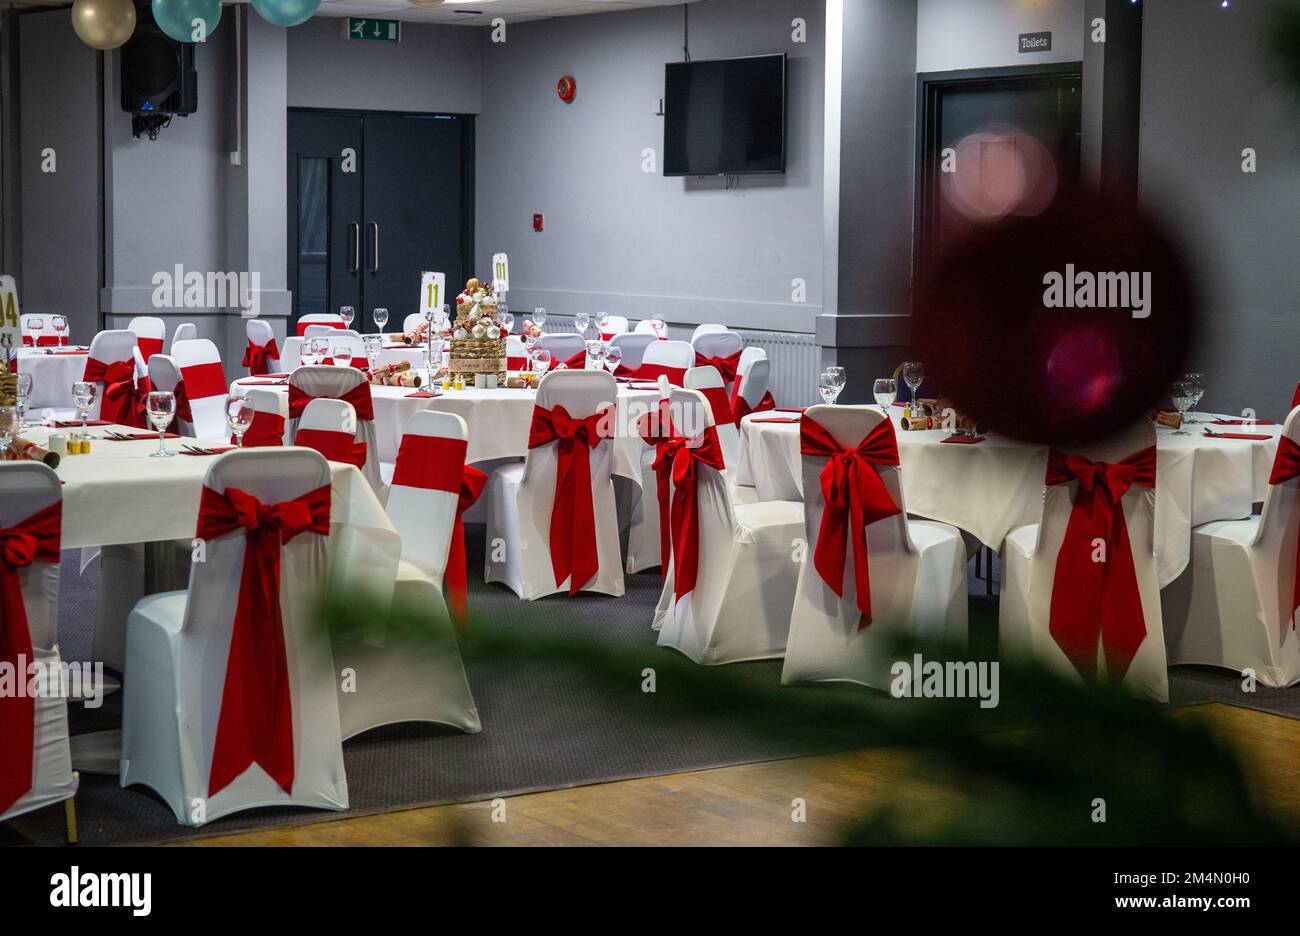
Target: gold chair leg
{"points": [[70, 815]]}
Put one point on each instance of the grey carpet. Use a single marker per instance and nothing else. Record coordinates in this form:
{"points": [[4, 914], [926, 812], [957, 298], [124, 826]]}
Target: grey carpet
{"points": [[543, 729]]}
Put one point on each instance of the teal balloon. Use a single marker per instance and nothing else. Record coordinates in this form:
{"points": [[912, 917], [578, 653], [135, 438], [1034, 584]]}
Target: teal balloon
{"points": [[286, 12], [177, 18]]}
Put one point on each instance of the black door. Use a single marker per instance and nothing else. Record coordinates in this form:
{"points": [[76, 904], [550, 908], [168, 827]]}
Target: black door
{"points": [[978, 133], [380, 198]]}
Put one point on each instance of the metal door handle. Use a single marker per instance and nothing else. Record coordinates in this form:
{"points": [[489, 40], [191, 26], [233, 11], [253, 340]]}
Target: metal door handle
{"points": [[356, 246], [374, 262]]}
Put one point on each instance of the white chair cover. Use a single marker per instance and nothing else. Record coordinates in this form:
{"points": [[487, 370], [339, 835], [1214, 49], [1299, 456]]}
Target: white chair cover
{"points": [[1232, 608], [269, 402], [25, 489], [325, 380], [260, 333], [521, 498], [177, 650], [322, 331], [28, 329], [205, 387], [614, 325], [412, 322], [350, 340], [1029, 567], [677, 356], [186, 331], [753, 383], [291, 354], [150, 333], [643, 545], [562, 346], [708, 381], [917, 571], [707, 328], [745, 581], [329, 318], [719, 345], [413, 356], [110, 347], [425, 682], [647, 327], [633, 348]]}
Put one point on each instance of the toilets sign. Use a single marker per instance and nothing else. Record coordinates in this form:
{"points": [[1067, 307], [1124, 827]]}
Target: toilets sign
{"points": [[365, 29]]}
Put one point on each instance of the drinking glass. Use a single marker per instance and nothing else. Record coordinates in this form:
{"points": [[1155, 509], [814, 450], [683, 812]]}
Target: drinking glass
{"points": [[60, 324], [542, 361], [613, 357], [24, 393], [508, 322], [580, 323], [826, 387], [239, 416], [913, 376], [161, 408], [602, 322], [1182, 393], [342, 356], [381, 318], [539, 316], [8, 427], [660, 326], [442, 317], [595, 353], [432, 350], [36, 325], [83, 398], [1196, 383], [886, 391], [320, 349], [839, 376], [348, 314], [372, 346]]}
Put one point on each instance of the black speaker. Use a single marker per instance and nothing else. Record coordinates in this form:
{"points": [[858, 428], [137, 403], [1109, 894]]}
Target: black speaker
{"points": [[157, 75]]}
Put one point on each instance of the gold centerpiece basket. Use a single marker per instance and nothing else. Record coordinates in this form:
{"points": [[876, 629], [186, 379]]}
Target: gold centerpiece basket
{"points": [[478, 345]]}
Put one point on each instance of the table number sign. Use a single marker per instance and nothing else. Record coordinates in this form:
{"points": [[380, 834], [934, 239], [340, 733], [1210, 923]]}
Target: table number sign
{"points": [[11, 336], [433, 293], [500, 273]]}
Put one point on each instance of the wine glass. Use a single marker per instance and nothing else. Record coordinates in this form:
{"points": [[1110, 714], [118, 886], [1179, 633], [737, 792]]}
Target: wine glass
{"points": [[8, 428], [660, 325], [539, 316], [348, 314], [83, 398], [24, 393], [913, 376], [36, 325], [602, 322], [342, 355], [886, 391], [613, 357], [372, 345], [542, 361], [431, 350], [1196, 383], [1182, 393], [60, 325], [827, 387], [381, 318], [161, 408], [239, 416], [839, 375], [580, 323], [442, 317], [507, 322], [595, 353], [320, 349]]}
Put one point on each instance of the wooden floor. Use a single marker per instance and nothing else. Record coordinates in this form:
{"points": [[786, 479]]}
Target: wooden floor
{"points": [[747, 805]]}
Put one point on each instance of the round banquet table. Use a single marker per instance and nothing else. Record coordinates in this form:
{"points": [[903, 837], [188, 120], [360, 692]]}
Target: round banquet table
{"points": [[990, 488], [53, 375], [498, 420]]}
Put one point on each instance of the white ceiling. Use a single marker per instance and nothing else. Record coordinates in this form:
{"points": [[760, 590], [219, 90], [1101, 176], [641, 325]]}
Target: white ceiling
{"points": [[481, 12]]}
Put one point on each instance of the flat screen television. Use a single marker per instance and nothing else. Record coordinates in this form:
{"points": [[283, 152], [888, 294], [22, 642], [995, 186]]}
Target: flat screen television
{"points": [[725, 117]]}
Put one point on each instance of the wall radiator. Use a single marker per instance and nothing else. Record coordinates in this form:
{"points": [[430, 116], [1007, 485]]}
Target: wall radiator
{"points": [[796, 361]]}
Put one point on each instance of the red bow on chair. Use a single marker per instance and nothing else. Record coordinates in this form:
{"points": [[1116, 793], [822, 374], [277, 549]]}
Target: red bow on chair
{"points": [[855, 497], [358, 396], [1285, 467], [35, 539], [573, 519], [726, 366], [656, 429], [256, 721], [336, 446], [121, 403], [149, 347], [1092, 598], [719, 404], [434, 463], [652, 372], [685, 507], [257, 357], [740, 407], [622, 370], [41, 341], [577, 362]]}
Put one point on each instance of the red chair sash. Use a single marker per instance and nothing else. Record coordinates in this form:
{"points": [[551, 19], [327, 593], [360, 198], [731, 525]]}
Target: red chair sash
{"points": [[517, 363], [336, 446], [35, 539], [41, 341], [1098, 599], [652, 372], [577, 362], [257, 358], [727, 366], [656, 429], [1295, 398], [719, 404], [438, 464], [148, 347], [303, 326], [687, 455], [622, 370], [358, 396], [740, 407], [267, 429], [1286, 465], [121, 403], [855, 497], [255, 725], [204, 380], [573, 518]]}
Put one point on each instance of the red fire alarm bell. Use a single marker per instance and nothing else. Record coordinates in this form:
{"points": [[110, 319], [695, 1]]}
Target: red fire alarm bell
{"points": [[566, 88], [537, 222]]}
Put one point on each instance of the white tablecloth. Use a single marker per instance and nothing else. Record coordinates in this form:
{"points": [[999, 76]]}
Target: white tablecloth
{"points": [[52, 377], [990, 488], [498, 421]]}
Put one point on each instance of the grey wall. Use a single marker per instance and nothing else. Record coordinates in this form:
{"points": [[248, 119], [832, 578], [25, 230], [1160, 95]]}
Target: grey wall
{"points": [[58, 88], [627, 241], [952, 34], [433, 69], [1208, 91]]}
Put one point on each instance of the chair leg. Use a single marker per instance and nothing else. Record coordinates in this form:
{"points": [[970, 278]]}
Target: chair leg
{"points": [[70, 816]]}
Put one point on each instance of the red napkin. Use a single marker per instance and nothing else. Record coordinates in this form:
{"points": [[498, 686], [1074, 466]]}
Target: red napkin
{"points": [[963, 440], [1244, 422], [142, 437], [776, 419], [422, 395], [643, 386], [1253, 436], [792, 409], [76, 423], [395, 347], [261, 383], [216, 450]]}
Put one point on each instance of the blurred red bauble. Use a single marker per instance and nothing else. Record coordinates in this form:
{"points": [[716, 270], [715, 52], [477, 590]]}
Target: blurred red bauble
{"points": [[1002, 324]]}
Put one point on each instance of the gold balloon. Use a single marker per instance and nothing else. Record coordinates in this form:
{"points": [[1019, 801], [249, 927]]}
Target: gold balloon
{"points": [[103, 24]]}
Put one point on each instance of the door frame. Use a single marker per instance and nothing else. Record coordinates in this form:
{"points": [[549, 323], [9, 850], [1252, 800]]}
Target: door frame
{"points": [[928, 87], [468, 200]]}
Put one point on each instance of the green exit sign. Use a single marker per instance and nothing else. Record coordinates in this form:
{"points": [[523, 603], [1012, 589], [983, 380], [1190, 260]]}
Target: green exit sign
{"points": [[372, 30]]}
